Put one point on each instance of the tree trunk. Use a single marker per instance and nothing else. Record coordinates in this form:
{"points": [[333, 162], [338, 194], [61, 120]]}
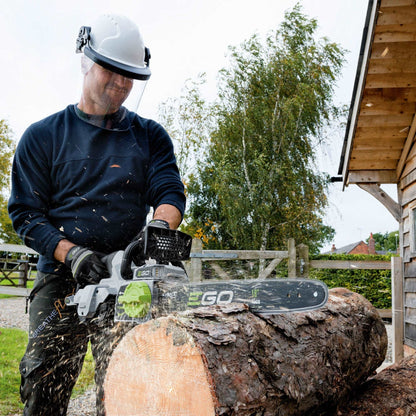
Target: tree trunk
{"points": [[391, 392], [227, 361]]}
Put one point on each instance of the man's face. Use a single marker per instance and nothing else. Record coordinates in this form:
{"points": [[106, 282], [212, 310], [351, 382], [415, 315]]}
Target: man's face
{"points": [[105, 91]]}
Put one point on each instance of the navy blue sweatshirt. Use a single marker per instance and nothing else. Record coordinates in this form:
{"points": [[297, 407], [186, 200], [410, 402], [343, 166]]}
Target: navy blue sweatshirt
{"points": [[93, 186]]}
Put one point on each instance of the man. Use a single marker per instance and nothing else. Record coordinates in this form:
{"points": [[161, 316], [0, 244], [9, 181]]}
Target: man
{"points": [[83, 180]]}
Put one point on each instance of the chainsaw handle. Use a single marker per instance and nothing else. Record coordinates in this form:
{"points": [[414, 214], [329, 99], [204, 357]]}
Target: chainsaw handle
{"points": [[164, 245], [125, 267]]}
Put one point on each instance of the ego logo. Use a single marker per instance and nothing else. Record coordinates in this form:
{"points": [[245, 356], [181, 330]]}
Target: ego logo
{"points": [[212, 297]]}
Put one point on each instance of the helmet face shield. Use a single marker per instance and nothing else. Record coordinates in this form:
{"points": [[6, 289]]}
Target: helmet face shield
{"points": [[105, 92], [134, 98]]}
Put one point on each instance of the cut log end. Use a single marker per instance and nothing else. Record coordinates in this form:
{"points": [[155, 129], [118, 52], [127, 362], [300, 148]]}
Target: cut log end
{"points": [[155, 370]]}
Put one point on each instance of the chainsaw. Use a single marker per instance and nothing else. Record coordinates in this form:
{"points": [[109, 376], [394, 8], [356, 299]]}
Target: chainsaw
{"points": [[148, 279]]}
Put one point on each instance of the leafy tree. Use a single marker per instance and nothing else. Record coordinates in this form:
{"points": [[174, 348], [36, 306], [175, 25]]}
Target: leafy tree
{"points": [[7, 148], [387, 242], [259, 184], [187, 120]]}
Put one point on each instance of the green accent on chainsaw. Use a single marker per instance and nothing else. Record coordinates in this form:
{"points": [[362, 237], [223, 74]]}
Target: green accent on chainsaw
{"points": [[136, 300]]}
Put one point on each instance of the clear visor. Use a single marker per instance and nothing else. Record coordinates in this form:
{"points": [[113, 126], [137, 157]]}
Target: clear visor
{"points": [[109, 90], [134, 98]]}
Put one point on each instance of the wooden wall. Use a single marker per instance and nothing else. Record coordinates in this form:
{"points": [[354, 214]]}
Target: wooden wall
{"points": [[407, 198]]}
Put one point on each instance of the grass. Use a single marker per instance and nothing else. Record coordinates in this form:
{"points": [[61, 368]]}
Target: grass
{"points": [[12, 347]]}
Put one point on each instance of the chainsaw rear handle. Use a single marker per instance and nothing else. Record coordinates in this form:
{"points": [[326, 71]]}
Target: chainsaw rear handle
{"points": [[161, 244]]}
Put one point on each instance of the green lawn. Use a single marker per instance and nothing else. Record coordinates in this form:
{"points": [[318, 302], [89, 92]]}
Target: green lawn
{"points": [[12, 347]]}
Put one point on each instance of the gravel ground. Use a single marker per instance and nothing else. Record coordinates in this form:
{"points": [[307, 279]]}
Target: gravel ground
{"points": [[12, 315]]}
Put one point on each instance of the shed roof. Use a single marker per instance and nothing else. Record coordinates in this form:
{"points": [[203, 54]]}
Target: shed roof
{"points": [[381, 124]]}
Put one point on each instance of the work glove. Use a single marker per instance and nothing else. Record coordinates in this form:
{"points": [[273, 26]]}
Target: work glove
{"points": [[86, 265]]}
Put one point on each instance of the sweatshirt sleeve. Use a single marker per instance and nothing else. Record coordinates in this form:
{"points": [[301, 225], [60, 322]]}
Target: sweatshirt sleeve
{"points": [[164, 185], [30, 195]]}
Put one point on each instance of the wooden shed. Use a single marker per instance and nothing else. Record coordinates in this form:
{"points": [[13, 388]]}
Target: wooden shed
{"points": [[379, 146]]}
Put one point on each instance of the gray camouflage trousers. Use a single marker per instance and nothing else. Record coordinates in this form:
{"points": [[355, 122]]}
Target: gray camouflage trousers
{"points": [[57, 346]]}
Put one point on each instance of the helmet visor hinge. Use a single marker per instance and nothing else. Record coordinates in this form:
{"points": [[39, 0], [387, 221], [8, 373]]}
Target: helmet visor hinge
{"points": [[147, 56], [83, 38]]}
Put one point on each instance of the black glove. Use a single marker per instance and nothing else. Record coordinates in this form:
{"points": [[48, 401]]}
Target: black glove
{"points": [[86, 265]]}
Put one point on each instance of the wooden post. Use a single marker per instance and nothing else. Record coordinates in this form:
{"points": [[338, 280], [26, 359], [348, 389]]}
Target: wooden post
{"points": [[195, 272], [397, 308], [291, 262], [303, 261], [23, 271]]}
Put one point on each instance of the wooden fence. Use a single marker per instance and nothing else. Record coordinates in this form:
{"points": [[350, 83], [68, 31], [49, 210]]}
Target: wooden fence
{"points": [[15, 269], [298, 265]]}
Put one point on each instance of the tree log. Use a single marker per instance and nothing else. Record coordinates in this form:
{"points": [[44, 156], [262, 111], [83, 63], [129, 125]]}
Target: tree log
{"points": [[391, 392], [227, 361]]}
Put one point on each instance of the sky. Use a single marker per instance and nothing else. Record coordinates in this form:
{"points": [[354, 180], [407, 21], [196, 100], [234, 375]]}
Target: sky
{"points": [[40, 71]]}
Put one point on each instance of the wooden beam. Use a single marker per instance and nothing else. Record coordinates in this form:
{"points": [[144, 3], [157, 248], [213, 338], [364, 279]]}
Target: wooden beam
{"points": [[269, 269], [379, 155], [397, 297], [387, 50], [407, 147], [395, 80], [14, 291], [401, 94], [397, 3], [375, 144], [408, 168], [391, 65], [214, 255], [407, 179], [397, 15], [395, 120], [395, 33], [371, 107], [349, 264], [372, 176], [371, 164], [392, 206], [381, 132]]}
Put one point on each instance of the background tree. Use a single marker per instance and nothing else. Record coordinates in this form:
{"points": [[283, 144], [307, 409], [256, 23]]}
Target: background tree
{"points": [[187, 120], [7, 147], [259, 184], [388, 241]]}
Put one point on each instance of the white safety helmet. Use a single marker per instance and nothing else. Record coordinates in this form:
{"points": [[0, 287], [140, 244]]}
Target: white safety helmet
{"points": [[115, 43]]}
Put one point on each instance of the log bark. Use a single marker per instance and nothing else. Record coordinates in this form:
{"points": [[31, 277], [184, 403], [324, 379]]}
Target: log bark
{"points": [[227, 361], [391, 392]]}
